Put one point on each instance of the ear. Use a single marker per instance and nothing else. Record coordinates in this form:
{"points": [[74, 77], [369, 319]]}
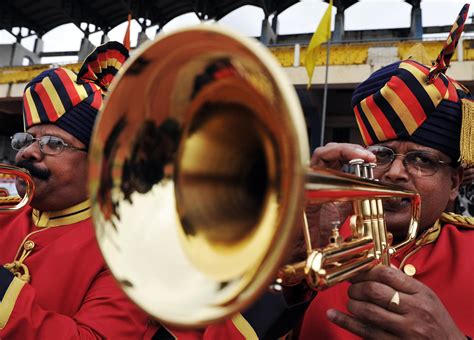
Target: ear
{"points": [[456, 179]]}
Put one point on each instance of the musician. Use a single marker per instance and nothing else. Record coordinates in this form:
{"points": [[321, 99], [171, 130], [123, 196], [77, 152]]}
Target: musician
{"points": [[417, 125], [54, 283]]}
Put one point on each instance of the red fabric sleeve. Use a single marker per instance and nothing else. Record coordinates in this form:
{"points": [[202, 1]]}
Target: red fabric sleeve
{"points": [[104, 313]]}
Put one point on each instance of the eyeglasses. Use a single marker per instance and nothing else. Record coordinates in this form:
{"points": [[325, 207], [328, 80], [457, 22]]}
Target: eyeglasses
{"points": [[49, 145], [418, 163]]}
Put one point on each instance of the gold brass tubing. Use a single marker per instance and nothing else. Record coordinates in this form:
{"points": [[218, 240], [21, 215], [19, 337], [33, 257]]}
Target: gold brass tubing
{"points": [[376, 229], [327, 277], [347, 249], [383, 233], [356, 204], [413, 227], [367, 218], [29, 190], [380, 221], [324, 185], [291, 274], [369, 214], [349, 269], [307, 236]]}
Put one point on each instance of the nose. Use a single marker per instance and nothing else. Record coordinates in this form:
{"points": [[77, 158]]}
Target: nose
{"points": [[32, 152], [397, 172]]}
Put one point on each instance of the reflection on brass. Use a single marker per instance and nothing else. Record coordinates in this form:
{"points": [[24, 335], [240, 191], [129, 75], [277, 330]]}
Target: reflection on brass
{"points": [[144, 168], [12, 201], [198, 176]]}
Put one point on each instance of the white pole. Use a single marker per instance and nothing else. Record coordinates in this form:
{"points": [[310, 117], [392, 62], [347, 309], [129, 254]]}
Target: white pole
{"points": [[325, 96], [296, 59], [460, 50]]}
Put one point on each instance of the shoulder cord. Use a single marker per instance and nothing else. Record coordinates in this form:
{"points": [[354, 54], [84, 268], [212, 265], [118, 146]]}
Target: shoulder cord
{"points": [[17, 267]]}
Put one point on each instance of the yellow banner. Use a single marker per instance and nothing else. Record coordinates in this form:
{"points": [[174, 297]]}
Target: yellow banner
{"points": [[322, 34]]}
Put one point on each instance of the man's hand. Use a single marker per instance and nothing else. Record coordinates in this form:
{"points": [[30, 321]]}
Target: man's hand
{"points": [[418, 315], [334, 155]]}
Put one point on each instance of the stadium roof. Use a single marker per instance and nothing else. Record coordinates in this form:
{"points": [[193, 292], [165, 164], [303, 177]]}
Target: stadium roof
{"points": [[41, 16]]}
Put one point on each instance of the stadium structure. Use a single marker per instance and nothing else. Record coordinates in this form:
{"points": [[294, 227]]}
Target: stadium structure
{"points": [[354, 55]]}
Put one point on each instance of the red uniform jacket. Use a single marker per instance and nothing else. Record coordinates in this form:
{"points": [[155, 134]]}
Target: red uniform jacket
{"points": [[71, 294], [445, 264]]}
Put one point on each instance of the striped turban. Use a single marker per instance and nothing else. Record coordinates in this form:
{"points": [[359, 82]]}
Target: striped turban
{"points": [[69, 100], [405, 101]]}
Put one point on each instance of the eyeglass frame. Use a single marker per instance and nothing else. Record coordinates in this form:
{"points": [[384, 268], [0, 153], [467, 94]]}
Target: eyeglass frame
{"points": [[41, 145], [405, 162]]}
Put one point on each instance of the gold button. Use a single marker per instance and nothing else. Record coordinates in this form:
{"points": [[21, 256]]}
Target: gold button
{"points": [[409, 269], [29, 245]]}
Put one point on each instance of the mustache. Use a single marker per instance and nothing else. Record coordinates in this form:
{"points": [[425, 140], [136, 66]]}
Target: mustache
{"points": [[35, 171]]}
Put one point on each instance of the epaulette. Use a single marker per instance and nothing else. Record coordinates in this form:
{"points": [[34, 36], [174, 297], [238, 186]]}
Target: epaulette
{"points": [[459, 220]]}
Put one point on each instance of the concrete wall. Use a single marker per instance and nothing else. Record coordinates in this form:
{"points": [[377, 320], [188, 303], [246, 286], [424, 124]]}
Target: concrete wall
{"points": [[13, 55], [351, 75]]}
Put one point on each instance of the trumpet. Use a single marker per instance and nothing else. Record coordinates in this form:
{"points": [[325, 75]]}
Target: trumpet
{"points": [[11, 203], [369, 244], [198, 174]]}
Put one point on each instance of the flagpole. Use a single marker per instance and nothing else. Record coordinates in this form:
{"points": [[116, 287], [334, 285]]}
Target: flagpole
{"points": [[325, 95], [321, 35]]}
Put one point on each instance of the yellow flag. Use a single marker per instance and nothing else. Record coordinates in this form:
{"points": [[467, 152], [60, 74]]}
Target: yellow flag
{"points": [[418, 53], [322, 34]]}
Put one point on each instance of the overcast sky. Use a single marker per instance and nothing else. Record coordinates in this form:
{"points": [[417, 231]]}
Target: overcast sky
{"points": [[300, 18]]}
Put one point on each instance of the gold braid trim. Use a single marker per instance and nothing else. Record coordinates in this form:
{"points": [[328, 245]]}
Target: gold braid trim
{"points": [[9, 300], [17, 267], [459, 220], [244, 327], [467, 132]]}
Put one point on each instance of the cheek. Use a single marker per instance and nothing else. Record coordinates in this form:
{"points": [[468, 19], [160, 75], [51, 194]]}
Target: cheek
{"points": [[75, 171], [67, 171], [434, 198]]}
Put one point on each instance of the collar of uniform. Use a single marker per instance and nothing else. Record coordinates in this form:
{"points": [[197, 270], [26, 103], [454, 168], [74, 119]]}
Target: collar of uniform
{"points": [[430, 235], [74, 214], [458, 220]]}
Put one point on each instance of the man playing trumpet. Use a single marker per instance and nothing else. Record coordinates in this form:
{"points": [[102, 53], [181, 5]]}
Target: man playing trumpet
{"points": [[53, 280], [418, 126]]}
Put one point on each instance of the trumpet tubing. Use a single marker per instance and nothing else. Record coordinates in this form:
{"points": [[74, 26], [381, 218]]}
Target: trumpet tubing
{"points": [[369, 243], [198, 175], [13, 203]]}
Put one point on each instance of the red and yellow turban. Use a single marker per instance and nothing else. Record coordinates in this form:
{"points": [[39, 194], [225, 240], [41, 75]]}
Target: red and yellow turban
{"points": [[410, 101], [71, 101]]}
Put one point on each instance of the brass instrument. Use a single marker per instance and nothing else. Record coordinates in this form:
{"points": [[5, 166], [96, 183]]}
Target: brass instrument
{"points": [[369, 244], [198, 174], [11, 203]]}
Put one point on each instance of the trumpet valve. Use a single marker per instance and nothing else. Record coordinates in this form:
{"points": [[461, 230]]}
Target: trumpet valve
{"points": [[335, 239]]}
